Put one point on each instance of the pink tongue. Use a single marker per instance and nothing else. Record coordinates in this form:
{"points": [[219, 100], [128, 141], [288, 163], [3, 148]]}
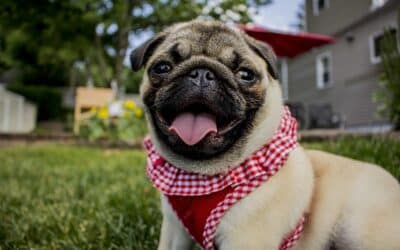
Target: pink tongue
{"points": [[192, 128]]}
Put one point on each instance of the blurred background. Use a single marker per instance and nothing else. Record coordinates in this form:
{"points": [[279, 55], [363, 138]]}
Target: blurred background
{"points": [[71, 122], [338, 69]]}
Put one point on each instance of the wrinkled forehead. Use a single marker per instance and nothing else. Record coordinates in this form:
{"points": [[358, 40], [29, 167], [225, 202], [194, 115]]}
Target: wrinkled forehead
{"points": [[206, 38]]}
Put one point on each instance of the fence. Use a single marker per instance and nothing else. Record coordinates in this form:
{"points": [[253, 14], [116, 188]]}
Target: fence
{"points": [[17, 115]]}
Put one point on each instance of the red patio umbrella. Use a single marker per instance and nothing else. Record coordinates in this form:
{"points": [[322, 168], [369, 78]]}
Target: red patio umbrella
{"points": [[286, 44]]}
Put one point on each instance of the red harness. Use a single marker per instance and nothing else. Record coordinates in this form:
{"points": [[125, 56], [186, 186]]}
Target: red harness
{"points": [[200, 201]]}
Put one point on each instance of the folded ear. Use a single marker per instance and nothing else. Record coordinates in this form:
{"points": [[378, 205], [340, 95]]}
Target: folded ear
{"points": [[266, 52], [141, 54]]}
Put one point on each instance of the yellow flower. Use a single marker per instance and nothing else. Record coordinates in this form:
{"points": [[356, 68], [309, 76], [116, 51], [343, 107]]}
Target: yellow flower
{"points": [[103, 113], [129, 104], [126, 114], [138, 113]]}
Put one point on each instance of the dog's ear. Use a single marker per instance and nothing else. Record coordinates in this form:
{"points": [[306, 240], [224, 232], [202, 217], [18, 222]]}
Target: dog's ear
{"points": [[266, 53], [141, 54]]}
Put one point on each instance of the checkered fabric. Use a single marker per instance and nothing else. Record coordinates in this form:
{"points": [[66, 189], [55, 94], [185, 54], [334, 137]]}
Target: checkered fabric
{"points": [[243, 178], [291, 239]]}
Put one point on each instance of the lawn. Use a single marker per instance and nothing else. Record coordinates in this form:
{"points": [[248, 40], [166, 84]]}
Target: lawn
{"points": [[63, 197]]}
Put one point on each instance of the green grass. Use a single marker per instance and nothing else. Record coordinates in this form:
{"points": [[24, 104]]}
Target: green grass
{"points": [[64, 197], [59, 197], [382, 151]]}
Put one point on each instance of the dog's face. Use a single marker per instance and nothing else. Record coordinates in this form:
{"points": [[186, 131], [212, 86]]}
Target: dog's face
{"points": [[205, 92]]}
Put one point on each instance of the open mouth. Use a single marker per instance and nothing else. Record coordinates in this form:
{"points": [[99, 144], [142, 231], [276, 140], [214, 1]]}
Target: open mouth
{"points": [[196, 121]]}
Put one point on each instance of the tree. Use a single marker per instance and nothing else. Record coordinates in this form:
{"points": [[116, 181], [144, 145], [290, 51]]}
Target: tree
{"points": [[89, 39], [300, 23], [42, 39], [389, 96]]}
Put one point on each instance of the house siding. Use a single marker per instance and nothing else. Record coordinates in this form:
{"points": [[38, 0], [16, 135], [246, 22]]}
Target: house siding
{"points": [[330, 20], [355, 77]]}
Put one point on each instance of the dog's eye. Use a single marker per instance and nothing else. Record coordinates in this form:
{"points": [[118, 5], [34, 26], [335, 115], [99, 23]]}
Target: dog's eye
{"points": [[161, 68], [246, 75]]}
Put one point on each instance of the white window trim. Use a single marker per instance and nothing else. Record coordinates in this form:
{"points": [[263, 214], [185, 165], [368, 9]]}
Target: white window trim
{"points": [[285, 78], [377, 59], [315, 7], [318, 69], [376, 5], [374, 59]]}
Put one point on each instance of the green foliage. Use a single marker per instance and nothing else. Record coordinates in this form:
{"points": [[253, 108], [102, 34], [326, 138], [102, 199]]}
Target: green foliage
{"points": [[42, 39], [127, 127], [132, 80], [47, 99], [389, 97], [236, 11], [57, 42], [63, 197]]}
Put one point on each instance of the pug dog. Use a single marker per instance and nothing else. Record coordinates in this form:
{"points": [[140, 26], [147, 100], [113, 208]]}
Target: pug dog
{"points": [[225, 85]]}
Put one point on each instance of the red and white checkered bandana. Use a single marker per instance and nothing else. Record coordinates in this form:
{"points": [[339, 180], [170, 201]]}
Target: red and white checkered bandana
{"points": [[243, 178]]}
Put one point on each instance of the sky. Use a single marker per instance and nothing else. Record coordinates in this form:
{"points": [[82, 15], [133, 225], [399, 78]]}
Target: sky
{"points": [[278, 15]]}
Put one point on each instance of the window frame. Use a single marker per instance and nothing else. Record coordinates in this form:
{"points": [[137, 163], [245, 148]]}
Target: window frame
{"points": [[316, 10], [319, 70], [371, 43]]}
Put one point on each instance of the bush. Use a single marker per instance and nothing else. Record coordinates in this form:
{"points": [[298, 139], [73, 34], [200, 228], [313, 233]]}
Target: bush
{"points": [[389, 97], [132, 80], [127, 123], [47, 99]]}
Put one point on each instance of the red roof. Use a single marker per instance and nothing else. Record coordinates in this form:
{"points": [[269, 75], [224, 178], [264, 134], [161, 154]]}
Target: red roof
{"points": [[287, 44]]}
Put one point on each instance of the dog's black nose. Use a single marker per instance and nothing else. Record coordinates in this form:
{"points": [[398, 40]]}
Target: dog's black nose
{"points": [[202, 77]]}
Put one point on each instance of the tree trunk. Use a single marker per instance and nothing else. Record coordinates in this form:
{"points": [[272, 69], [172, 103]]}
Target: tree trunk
{"points": [[124, 25], [100, 58]]}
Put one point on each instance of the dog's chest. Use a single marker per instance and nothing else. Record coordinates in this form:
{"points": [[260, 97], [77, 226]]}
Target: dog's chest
{"points": [[257, 220]]}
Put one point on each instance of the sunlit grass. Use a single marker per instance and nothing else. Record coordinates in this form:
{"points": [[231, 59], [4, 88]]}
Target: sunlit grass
{"points": [[64, 197]]}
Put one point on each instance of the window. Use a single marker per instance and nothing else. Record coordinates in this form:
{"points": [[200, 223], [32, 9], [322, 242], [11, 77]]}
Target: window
{"points": [[376, 43], [324, 70], [319, 5], [377, 3], [284, 77]]}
